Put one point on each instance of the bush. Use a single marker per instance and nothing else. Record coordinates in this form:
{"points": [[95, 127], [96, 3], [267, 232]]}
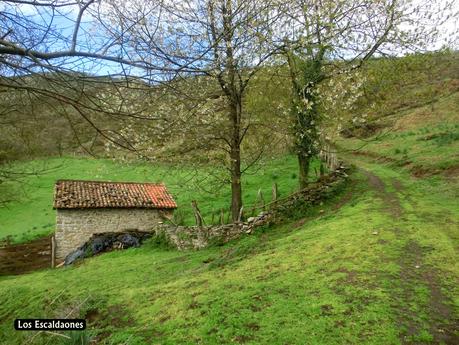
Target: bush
{"points": [[179, 217], [159, 241]]}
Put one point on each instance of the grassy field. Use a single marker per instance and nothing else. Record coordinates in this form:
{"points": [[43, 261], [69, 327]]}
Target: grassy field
{"points": [[31, 215], [377, 264], [382, 269]]}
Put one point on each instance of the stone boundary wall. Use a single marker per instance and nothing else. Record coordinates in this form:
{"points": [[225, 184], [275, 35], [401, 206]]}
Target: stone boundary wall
{"points": [[195, 237]]}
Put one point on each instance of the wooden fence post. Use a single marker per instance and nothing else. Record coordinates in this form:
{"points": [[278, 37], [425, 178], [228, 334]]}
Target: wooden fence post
{"points": [[197, 213], [53, 252], [274, 192], [260, 199], [222, 216], [241, 212]]}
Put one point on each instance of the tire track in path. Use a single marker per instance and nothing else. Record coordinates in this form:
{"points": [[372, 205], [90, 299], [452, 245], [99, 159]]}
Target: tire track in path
{"points": [[443, 322]]}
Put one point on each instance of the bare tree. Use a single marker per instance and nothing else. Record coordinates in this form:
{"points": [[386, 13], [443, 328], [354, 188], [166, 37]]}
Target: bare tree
{"points": [[51, 63], [211, 49], [54, 51], [203, 53]]}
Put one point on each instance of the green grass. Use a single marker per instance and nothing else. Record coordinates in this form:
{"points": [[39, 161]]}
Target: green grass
{"points": [[31, 215], [328, 281], [422, 138], [381, 269]]}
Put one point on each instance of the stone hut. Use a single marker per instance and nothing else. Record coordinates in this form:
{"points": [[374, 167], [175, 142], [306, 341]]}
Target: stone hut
{"points": [[85, 208]]}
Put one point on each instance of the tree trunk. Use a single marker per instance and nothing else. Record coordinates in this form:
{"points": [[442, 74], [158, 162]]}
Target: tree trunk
{"points": [[236, 188], [235, 155], [303, 166], [305, 78]]}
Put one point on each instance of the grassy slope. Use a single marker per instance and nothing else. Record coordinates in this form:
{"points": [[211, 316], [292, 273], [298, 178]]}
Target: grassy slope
{"points": [[346, 276], [32, 214], [423, 139], [382, 269]]}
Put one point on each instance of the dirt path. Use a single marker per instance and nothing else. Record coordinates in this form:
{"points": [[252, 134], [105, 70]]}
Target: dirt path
{"points": [[26, 257], [391, 200], [443, 323]]}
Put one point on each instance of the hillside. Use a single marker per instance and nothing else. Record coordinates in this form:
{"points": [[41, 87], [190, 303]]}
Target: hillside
{"points": [[376, 264], [379, 267], [424, 140], [40, 126]]}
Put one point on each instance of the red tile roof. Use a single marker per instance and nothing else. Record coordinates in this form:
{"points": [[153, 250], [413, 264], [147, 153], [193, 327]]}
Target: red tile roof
{"points": [[101, 194]]}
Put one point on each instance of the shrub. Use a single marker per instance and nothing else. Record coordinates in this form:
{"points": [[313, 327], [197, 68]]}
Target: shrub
{"points": [[159, 241], [179, 217]]}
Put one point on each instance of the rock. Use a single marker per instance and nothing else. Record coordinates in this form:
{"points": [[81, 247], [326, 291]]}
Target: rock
{"points": [[74, 256], [251, 219], [129, 241], [99, 244], [105, 242]]}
